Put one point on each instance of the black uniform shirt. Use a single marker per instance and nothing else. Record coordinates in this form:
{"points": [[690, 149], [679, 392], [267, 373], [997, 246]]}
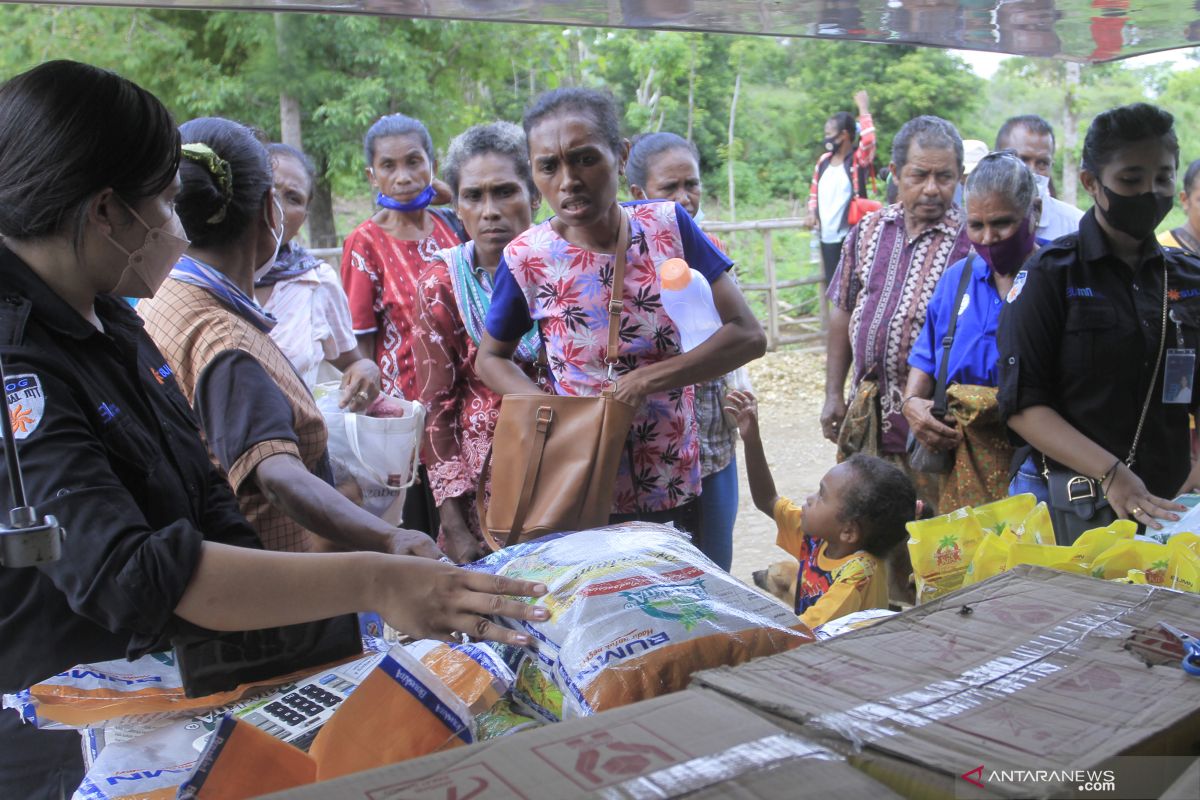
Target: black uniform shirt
{"points": [[112, 450], [1080, 332]]}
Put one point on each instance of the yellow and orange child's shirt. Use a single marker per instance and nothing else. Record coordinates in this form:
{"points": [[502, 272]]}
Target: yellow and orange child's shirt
{"points": [[828, 588]]}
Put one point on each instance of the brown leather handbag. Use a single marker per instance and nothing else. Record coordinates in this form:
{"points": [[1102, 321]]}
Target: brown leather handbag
{"points": [[553, 458]]}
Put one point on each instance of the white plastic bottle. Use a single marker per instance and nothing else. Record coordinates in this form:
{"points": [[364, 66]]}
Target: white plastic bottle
{"points": [[687, 299]]}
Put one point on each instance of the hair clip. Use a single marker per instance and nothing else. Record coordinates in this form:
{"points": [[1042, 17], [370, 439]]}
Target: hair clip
{"points": [[219, 168]]}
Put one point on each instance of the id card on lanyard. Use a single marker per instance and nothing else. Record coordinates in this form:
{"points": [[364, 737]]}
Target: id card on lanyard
{"points": [[1179, 370]]}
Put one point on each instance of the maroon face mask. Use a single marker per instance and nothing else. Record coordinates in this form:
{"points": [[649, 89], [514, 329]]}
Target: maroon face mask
{"points": [[1006, 256]]}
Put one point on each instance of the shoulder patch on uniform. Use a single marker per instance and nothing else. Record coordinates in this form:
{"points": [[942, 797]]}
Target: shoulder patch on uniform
{"points": [[1018, 285], [26, 403]]}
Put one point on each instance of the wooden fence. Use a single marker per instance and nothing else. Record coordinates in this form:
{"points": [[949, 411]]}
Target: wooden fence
{"points": [[781, 328], [798, 329]]}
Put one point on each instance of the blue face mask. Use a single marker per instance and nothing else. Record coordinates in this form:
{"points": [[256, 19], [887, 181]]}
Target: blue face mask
{"points": [[416, 204]]}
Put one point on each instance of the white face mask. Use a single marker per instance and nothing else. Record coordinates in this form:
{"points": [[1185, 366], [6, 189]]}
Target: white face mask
{"points": [[261, 272], [150, 264]]}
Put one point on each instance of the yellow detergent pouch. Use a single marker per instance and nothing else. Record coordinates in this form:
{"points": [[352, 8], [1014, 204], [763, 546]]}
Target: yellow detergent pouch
{"points": [[1094, 542], [1149, 557], [941, 548], [1036, 527], [1134, 576], [1004, 514], [1183, 565], [1189, 541], [1067, 559], [991, 558]]}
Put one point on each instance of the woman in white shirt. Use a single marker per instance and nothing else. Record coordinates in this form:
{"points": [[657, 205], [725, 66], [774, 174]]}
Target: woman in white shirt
{"points": [[305, 295]]}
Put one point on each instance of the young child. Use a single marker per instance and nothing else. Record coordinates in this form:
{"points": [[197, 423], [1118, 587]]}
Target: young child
{"points": [[842, 534]]}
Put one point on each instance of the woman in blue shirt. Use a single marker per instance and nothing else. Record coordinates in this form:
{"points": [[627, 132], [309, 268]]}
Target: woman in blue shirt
{"points": [[1002, 214]]}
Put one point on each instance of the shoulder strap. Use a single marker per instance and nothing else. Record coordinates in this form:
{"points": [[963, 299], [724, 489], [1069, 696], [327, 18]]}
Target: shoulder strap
{"points": [[452, 221], [939, 391], [615, 303]]}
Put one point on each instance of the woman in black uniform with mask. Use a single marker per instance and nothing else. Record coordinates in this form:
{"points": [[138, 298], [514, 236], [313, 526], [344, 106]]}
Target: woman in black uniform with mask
{"points": [[1099, 332], [155, 545]]}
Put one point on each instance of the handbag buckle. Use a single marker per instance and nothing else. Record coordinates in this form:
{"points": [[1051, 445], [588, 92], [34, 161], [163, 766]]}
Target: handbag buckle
{"points": [[545, 414], [1084, 486]]}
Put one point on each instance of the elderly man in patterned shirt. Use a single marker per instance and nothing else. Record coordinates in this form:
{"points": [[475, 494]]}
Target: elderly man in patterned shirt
{"points": [[889, 267]]}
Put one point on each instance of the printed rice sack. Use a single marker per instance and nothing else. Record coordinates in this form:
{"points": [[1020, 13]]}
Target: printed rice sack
{"points": [[141, 694], [634, 611], [941, 548], [147, 767]]}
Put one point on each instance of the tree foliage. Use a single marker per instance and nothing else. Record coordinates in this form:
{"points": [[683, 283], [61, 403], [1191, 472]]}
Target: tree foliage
{"points": [[347, 70]]}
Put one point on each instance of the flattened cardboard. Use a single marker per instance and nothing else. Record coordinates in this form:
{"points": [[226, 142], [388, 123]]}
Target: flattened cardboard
{"points": [[1027, 670], [696, 743]]}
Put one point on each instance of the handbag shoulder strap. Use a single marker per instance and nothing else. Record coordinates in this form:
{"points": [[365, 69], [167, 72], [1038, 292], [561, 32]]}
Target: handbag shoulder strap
{"points": [[615, 302], [939, 391]]}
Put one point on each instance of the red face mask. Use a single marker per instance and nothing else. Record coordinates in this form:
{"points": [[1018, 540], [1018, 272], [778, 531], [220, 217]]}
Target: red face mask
{"points": [[1007, 256]]}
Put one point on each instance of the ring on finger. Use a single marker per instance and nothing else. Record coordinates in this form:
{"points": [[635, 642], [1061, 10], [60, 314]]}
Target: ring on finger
{"points": [[361, 395], [1133, 512], [460, 637]]}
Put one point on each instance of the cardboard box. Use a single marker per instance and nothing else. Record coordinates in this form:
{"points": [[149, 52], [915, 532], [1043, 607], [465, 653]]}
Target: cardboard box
{"points": [[1026, 671], [696, 743]]}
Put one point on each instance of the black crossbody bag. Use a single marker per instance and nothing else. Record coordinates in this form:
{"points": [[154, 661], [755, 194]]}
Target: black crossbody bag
{"points": [[920, 457], [1077, 502]]}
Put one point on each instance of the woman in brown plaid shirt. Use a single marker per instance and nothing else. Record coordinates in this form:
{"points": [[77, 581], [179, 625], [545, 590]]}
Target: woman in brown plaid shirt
{"points": [[155, 544]]}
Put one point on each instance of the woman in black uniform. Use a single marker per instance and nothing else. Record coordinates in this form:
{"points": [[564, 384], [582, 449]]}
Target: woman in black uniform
{"points": [[155, 544], [1100, 330]]}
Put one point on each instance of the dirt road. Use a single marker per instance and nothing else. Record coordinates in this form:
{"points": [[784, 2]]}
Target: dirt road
{"points": [[790, 390]]}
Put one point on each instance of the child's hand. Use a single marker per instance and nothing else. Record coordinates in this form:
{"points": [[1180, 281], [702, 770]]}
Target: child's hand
{"points": [[743, 407]]}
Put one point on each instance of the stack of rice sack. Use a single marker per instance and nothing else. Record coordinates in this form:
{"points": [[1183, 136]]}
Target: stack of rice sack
{"points": [[635, 610], [972, 544]]}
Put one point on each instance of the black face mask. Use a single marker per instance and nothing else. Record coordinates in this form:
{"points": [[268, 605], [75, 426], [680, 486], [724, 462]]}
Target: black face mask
{"points": [[830, 144], [1138, 215]]}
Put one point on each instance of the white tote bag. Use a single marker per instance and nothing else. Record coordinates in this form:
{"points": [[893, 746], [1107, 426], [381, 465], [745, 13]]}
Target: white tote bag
{"points": [[380, 449]]}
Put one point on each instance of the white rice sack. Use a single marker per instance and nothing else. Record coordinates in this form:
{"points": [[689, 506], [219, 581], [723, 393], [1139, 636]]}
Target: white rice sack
{"points": [[635, 609]]}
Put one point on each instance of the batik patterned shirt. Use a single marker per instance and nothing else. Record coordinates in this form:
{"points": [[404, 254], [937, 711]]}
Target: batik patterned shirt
{"points": [[885, 280], [546, 280], [380, 274]]}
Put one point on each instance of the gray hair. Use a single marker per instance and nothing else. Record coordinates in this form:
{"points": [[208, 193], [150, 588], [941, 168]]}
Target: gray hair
{"points": [[1005, 174], [502, 138], [929, 132], [396, 125]]}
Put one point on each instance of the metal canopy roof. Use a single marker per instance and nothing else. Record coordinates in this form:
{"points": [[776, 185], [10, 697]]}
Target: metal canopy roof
{"points": [[1077, 30]]}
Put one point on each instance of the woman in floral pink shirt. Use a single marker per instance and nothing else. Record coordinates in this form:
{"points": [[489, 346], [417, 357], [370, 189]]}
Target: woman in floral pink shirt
{"points": [[558, 275]]}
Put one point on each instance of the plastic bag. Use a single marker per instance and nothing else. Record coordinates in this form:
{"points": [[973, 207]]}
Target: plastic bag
{"points": [[1005, 514], [379, 449], [634, 611], [941, 548]]}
